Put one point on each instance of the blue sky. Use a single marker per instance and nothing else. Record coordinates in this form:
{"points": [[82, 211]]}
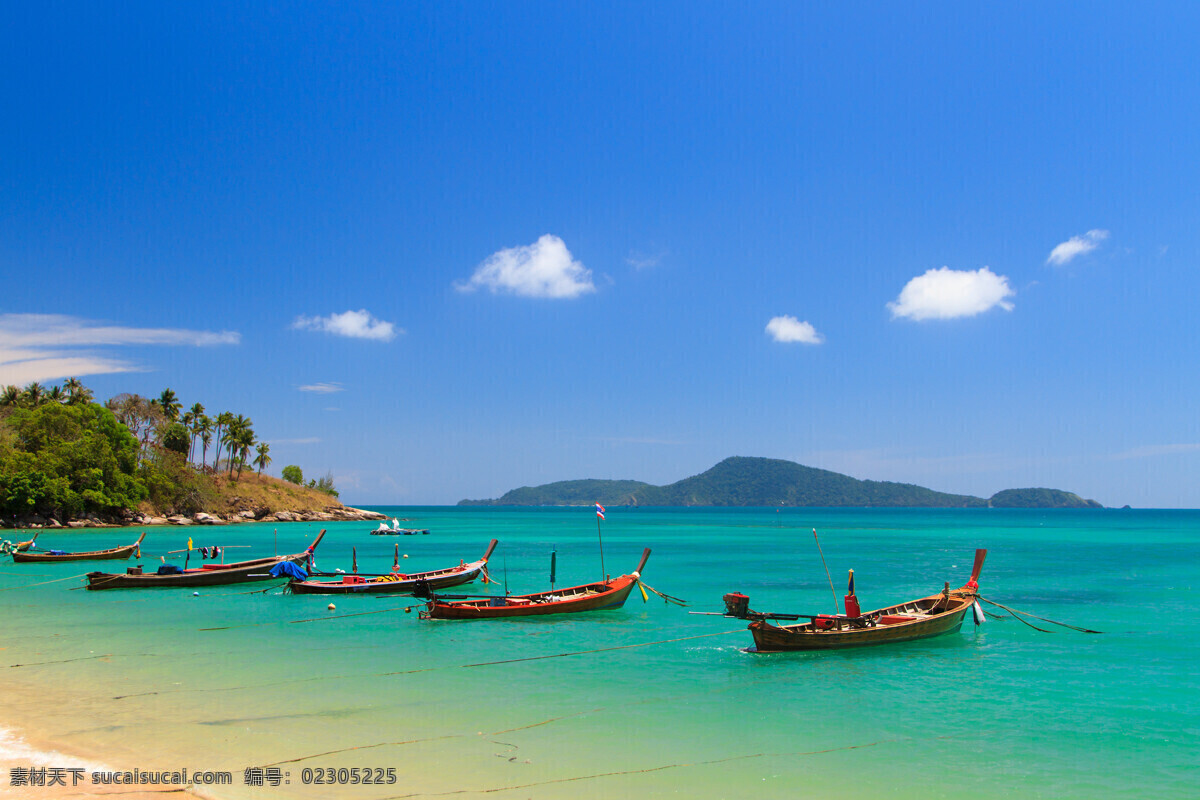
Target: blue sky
{"points": [[445, 250]]}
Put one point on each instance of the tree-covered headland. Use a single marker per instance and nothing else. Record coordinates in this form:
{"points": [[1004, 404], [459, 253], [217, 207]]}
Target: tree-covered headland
{"points": [[64, 456]]}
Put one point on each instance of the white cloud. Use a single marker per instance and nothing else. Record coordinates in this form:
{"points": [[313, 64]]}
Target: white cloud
{"points": [[640, 261], [323, 388], [790, 329], [39, 347], [542, 269], [947, 294], [351, 324], [1076, 246], [1155, 451]]}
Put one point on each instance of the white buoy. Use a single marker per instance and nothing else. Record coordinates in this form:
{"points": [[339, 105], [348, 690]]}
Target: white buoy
{"points": [[406, 555], [977, 610], [195, 594], [332, 606]]}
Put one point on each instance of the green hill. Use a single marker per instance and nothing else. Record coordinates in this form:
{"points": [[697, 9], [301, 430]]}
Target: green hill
{"points": [[1040, 498], [569, 493], [741, 481]]}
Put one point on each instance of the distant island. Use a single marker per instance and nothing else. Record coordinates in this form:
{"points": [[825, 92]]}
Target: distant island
{"points": [[742, 481]]}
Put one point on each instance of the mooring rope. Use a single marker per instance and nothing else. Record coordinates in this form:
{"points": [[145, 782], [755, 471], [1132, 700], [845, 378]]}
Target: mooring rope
{"points": [[564, 655], [310, 619], [1015, 612], [43, 583], [668, 598], [417, 671]]}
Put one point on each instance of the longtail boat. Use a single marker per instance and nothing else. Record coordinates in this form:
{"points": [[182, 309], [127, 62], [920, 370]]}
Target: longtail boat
{"points": [[598, 596], [112, 554], [395, 582], [23, 546], [923, 618], [258, 569]]}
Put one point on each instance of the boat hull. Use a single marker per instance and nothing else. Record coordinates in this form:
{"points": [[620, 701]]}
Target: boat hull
{"points": [[770, 638], [258, 569], [116, 554], [590, 597], [112, 554], [923, 618], [240, 572], [398, 583], [385, 585]]}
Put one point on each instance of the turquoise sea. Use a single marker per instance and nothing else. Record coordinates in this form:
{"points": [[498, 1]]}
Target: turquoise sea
{"points": [[646, 701]]}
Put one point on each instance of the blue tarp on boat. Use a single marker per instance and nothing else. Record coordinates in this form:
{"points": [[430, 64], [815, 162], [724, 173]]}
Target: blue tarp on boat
{"points": [[289, 569]]}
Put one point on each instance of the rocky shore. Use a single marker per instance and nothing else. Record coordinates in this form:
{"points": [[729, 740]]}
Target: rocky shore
{"points": [[338, 513]]}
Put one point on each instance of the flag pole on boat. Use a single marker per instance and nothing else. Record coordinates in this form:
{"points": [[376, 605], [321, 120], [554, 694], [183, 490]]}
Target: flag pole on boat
{"points": [[836, 610], [600, 516]]}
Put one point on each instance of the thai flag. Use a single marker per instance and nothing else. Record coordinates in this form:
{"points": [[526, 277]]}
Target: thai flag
{"points": [[599, 511]]}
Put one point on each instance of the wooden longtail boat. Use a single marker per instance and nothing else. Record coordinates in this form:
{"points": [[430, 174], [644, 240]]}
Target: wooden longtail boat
{"points": [[395, 582], [589, 597], [904, 622], [258, 569], [112, 554], [23, 546]]}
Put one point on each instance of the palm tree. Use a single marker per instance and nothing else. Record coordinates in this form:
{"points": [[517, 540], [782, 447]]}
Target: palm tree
{"points": [[10, 396], [262, 460], [224, 419], [55, 394], [192, 420], [205, 428], [238, 435], [33, 395], [169, 403], [245, 441], [77, 392]]}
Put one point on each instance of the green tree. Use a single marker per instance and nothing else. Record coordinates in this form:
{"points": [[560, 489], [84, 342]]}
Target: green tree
{"points": [[262, 460], [192, 420], [10, 397], [65, 460], [245, 440], [176, 439], [33, 395], [238, 438], [293, 474], [205, 430], [325, 484], [77, 392], [169, 404], [224, 419]]}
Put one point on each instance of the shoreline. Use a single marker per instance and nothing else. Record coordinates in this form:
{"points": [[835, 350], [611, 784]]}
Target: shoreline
{"points": [[25, 746], [205, 519]]}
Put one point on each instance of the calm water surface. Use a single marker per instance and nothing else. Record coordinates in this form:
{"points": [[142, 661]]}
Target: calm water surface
{"points": [[550, 708]]}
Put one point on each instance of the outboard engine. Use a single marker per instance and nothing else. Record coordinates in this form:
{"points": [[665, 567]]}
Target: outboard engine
{"points": [[737, 605]]}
